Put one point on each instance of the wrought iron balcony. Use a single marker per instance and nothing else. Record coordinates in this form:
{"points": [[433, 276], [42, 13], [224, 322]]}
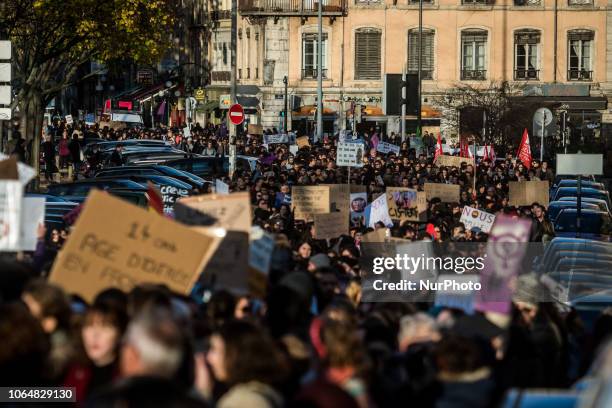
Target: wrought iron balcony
{"points": [[221, 76], [579, 75], [425, 73], [526, 74], [287, 8], [312, 73], [473, 74]]}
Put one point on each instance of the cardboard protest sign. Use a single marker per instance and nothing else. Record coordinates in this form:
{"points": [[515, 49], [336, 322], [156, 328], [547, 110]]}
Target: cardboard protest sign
{"points": [[358, 203], [350, 154], [226, 268], [221, 187], [255, 129], [384, 147], [472, 217], [229, 211], [8, 169], [32, 215], [405, 204], [448, 193], [331, 225], [379, 212], [26, 173], [302, 141], [293, 149], [528, 192], [117, 244], [261, 247], [10, 214], [309, 200], [339, 196], [453, 161]]}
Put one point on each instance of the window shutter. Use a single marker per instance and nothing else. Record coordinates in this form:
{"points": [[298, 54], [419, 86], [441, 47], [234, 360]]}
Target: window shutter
{"points": [[527, 37], [474, 36], [427, 63], [367, 53]]}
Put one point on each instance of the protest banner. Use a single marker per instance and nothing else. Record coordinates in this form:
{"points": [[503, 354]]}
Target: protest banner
{"points": [[453, 161], [472, 217], [228, 211], [505, 251], [331, 225], [384, 147], [69, 120], [358, 203], [8, 169], [278, 138], [255, 129], [379, 212], [339, 196], [448, 193], [32, 215], [221, 187], [302, 141], [261, 247], [349, 154], [226, 267], [309, 200], [117, 244], [11, 192], [405, 204], [528, 192], [26, 173]]}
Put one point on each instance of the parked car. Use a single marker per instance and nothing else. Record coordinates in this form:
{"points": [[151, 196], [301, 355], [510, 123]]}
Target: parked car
{"points": [[79, 190], [160, 170], [556, 206], [594, 224], [584, 192], [583, 183], [602, 204], [211, 167]]}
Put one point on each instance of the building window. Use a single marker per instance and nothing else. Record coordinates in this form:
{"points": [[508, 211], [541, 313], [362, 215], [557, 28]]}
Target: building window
{"points": [[417, 2], [526, 54], [256, 72], [427, 61], [248, 73], [365, 2], [310, 55], [527, 2], [239, 73], [580, 59], [473, 55], [479, 2], [225, 50], [367, 53], [580, 2]]}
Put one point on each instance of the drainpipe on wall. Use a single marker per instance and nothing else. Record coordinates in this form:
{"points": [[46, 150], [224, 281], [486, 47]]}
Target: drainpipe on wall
{"points": [[343, 111], [555, 45]]}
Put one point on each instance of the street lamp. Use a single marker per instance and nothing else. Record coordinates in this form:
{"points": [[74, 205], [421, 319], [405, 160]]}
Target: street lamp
{"points": [[285, 81]]}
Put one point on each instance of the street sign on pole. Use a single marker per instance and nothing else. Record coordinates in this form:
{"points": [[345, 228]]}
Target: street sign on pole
{"points": [[236, 114]]}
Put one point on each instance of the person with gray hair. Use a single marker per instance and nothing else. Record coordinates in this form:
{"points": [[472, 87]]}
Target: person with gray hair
{"points": [[416, 328]]}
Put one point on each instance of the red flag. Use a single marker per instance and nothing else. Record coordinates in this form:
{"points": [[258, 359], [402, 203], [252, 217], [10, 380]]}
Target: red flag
{"points": [[464, 150], [438, 151], [524, 151], [156, 203], [492, 154]]}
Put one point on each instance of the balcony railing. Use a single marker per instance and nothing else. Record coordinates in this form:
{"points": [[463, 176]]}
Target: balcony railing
{"points": [[312, 73], [220, 15], [425, 73], [527, 2], [473, 74], [579, 75], [580, 2], [526, 74], [291, 7], [477, 2]]}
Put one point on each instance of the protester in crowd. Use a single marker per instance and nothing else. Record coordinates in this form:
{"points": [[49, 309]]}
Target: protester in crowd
{"points": [[63, 150], [48, 152], [75, 155]]}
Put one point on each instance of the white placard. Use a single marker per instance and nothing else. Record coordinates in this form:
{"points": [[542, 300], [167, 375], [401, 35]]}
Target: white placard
{"points": [[5, 50], [186, 131], [32, 214], [350, 154], [126, 117], [472, 217], [5, 95], [580, 164], [278, 138], [5, 72], [221, 187], [69, 120], [379, 211], [6, 114], [26, 173], [10, 214], [293, 149], [384, 147]]}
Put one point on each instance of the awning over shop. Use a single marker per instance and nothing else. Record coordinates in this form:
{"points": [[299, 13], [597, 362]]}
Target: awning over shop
{"points": [[575, 103], [248, 102], [310, 110], [208, 106]]}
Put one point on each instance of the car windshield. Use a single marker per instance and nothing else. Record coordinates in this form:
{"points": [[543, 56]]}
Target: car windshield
{"points": [[590, 222]]}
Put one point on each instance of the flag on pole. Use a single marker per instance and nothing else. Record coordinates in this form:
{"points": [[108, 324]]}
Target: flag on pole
{"points": [[156, 202], [438, 151], [464, 150], [524, 151]]}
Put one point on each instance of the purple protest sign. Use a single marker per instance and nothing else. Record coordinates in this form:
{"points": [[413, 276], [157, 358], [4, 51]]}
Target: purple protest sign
{"points": [[505, 252]]}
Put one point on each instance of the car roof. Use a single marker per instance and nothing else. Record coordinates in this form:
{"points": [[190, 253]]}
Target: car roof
{"points": [[155, 178]]}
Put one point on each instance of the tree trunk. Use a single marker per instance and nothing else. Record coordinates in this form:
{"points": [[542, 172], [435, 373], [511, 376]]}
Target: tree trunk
{"points": [[31, 110]]}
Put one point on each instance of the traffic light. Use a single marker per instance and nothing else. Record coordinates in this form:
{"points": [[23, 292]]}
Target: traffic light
{"points": [[393, 94]]}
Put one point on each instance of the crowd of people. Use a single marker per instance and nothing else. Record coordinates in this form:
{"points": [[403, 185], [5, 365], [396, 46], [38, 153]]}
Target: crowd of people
{"points": [[310, 341]]}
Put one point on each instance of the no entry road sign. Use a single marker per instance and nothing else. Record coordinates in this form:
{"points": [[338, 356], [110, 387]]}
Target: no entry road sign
{"points": [[236, 114]]}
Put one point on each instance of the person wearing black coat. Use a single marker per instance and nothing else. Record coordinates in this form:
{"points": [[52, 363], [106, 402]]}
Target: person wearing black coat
{"points": [[75, 154], [48, 151]]}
